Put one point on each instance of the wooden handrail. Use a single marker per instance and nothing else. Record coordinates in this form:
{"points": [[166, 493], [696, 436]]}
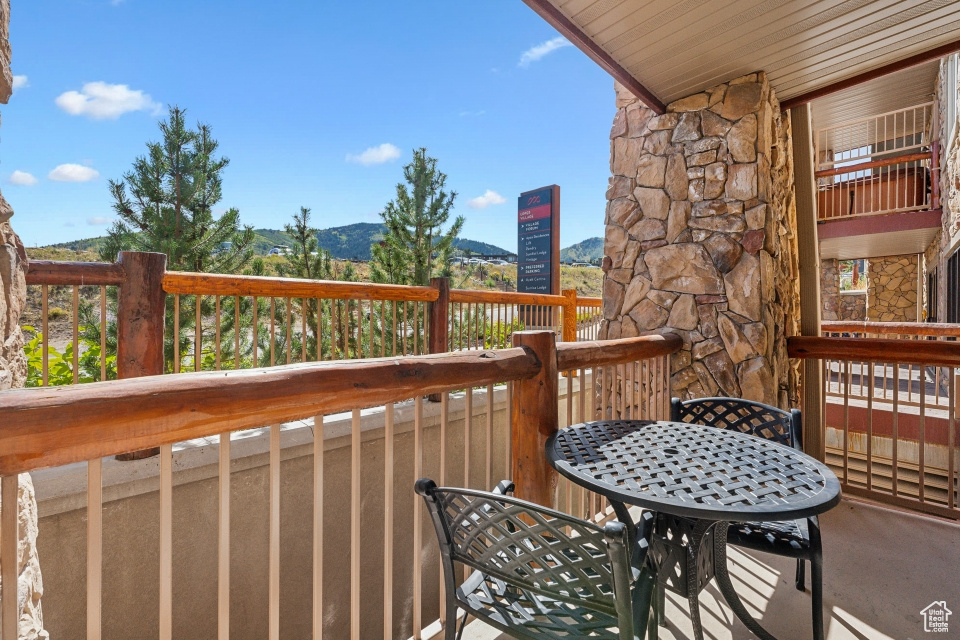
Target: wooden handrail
{"points": [[184, 283], [601, 353], [893, 328], [53, 426], [922, 352], [80, 273], [872, 164], [505, 297], [589, 302]]}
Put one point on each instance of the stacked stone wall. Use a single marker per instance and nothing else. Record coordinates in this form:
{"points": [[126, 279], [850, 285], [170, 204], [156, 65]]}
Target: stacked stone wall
{"points": [[830, 289], [853, 306], [948, 239], [892, 289], [13, 374], [700, 237]]}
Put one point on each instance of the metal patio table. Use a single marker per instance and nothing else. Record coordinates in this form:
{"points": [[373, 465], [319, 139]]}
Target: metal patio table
{"points": [[697, 480]]}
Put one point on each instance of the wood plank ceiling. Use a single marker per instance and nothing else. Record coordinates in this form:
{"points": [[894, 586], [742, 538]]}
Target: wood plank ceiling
{"points": [[678, 47]]}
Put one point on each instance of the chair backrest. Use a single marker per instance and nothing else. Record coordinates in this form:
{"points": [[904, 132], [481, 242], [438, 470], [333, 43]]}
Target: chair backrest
{"points": [[745, 416], [528, 546]]}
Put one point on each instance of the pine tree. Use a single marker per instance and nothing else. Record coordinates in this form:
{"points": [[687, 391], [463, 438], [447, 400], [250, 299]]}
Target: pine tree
{"points": [[165, 204], [415, 246]]}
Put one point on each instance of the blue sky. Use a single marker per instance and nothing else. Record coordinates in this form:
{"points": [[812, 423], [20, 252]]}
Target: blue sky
{"points": [[315, 103]]}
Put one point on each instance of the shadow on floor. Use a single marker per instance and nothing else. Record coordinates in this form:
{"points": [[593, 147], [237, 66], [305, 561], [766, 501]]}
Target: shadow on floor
{"points": [[882, 567]]}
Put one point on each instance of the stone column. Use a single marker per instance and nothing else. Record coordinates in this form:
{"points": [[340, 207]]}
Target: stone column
{"points": [[892, 288], [830, 288], [700, 236], [13, 373]]}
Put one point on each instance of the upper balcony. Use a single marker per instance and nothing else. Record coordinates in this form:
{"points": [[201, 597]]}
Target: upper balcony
{"points": [[878, 184]]}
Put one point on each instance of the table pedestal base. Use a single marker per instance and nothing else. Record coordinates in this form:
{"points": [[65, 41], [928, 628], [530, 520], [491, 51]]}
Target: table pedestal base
{"points": [[686, 554]]}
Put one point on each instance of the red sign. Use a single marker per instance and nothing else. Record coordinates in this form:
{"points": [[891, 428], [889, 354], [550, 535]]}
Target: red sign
{"points": [[536, 213]]}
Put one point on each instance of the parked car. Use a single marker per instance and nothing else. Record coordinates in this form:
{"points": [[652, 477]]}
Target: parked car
{"points": [[498, 262]]}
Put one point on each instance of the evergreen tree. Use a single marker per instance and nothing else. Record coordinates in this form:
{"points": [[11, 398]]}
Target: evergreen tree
{"points": [[415, 246], [165, 204]]}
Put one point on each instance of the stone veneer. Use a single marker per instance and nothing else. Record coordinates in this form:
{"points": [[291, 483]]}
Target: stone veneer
{"points": [[13, 373], [700, 236], [892, 289], [830, 289], [853, 306], [948, 239], [836, 304]]}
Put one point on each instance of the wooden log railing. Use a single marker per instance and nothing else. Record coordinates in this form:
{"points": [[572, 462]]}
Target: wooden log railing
{"points": [[237, 322], [890, 408], [65, 425]]}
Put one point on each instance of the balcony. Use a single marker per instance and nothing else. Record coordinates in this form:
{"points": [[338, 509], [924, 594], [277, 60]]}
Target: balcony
{"points": [[877, 185], [281, 502]]}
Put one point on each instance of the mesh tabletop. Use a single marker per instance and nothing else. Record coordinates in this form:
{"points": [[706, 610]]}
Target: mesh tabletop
{"points": [[692, 470]]}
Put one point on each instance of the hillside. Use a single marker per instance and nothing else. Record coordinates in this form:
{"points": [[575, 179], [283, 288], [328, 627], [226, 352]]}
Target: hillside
{"points": [[590, 250], [350, 242]]}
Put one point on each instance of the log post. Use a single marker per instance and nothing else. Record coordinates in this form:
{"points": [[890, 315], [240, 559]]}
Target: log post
{"points": [[141, 303], [439, 321], [569, 333], [534, 420]]}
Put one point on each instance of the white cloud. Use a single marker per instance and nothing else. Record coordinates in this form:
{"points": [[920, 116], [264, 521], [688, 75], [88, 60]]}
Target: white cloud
{"points": [[22, 178], [19, 82], [487, 199], [100, 100], [98, 221], [73, 173], [535, 53], [375, 155]]}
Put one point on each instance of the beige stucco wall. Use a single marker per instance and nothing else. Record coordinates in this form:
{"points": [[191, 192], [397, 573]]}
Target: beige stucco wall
{"points": [[701, 238], [131, 528]]}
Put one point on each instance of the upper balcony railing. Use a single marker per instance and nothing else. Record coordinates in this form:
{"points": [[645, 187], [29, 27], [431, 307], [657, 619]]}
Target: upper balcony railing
{"points": [[882, 164]]}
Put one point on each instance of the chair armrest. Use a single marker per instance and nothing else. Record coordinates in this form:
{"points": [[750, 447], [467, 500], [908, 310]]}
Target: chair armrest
{"points": [[504, 487]]}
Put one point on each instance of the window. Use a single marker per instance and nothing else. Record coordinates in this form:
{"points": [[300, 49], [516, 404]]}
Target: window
{"points": [[952, 311], [932, 284]]}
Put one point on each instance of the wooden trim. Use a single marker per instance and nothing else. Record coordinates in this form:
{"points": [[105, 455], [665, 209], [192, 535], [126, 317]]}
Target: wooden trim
{"points": [[82, 273], [923, 352], [53, 426], [893, 67], [182, 283], [808, 250], [582, 355], [872, 164], [569, 331], [589, 302], [574, 34], [893, 328], [505, 297]]}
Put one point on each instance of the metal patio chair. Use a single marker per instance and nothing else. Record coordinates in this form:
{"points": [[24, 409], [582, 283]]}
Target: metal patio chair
{"points": [[798, 539], [538, 573]]}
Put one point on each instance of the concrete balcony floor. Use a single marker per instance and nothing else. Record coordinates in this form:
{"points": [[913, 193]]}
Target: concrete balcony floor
{"points": [[882, 567]]}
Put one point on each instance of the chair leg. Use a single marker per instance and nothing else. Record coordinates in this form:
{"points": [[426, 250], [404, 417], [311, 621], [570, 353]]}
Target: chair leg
{"points": [[661, 605], [816, 587], [450, 630], [801, 576]]}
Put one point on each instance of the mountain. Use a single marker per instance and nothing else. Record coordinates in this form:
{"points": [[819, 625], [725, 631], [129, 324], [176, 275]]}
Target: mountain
{"points": [[589, 250], [350, 242]]}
